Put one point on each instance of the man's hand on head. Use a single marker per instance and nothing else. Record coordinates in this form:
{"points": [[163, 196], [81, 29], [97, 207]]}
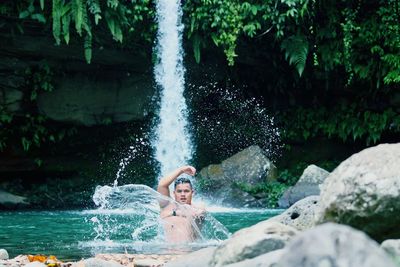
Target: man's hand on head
{"points": [[189, 170]]}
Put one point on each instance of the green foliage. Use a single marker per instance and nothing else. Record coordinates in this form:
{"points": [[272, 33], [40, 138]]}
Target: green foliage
{"points": [[31, 13], [121, 18], [296, 51], [345, 122], [225, 21], [221, 17], [272, 191], [287, 177], [39, 79]]}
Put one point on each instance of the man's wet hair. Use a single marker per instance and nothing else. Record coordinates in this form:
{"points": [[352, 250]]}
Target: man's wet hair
{"points": [[183, 180]]}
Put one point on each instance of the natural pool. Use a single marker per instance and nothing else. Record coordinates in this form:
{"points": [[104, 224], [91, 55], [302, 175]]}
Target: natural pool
{"points": [[71, 235]]}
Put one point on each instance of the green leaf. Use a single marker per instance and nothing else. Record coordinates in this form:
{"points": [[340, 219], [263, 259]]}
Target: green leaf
{"points": [[254, 10], [56, 14], [77, 10], [24, 14], [88, 48], [196, 47], [42, 4], [25, 144], [66, 20], [38, 162], [39, 17], [214, 37]]}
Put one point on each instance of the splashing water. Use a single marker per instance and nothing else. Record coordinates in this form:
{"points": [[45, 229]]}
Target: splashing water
{"points": [[172, 142], [138, 204], [226, 121], [132, 213]]}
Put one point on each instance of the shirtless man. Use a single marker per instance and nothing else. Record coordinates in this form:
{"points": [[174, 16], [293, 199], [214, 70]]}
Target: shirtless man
{"points": [[180, 220]]}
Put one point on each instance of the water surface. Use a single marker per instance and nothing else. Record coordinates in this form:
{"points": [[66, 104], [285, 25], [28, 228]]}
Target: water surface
{"points": [[71, 235]]}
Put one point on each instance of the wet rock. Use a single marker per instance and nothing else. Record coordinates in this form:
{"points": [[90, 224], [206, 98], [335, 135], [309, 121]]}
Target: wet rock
{"points": [[301, 215], [8, 200], [3, 254], [392, 247], [364, 192], [251, 242], [336, 245], [199, 258], [249, 167], [11, 98], [308, 185], [265, 260]]}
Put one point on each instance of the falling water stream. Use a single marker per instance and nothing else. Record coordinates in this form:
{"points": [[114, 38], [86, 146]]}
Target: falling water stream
{"points": [[172, 143]]}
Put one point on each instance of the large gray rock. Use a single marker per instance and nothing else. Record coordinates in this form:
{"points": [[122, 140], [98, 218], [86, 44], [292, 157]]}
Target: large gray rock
{"points": [[333, 245], [269, 259], [392, 247], [249, 167], [308, 185], [251, 242], [364, 192], [199, 258], [98, 100], [301, 215]]}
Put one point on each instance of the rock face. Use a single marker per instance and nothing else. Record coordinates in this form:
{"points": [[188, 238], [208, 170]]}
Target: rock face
{"points": [[249, 166], [98, 100], [8, 200], [333, 245], [199, 258], [265, 260], [251, 242], [364, 192], [308, 185], [301, 215]]}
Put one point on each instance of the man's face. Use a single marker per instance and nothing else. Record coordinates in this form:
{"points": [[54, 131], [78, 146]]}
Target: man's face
{"points": [[183, 193]]}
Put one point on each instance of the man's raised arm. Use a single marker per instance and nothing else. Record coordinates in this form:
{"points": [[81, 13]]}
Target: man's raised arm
{"points": [[163, 185]]}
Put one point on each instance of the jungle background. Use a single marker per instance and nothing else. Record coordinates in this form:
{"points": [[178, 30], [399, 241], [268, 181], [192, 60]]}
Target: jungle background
{"points": [[78, 97]]}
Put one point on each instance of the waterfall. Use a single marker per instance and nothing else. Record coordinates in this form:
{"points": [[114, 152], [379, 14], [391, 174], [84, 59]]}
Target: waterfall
{"points": [[172, 142]]}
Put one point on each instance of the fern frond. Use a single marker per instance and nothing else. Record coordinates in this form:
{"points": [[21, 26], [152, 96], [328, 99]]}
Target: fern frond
{"points": [[114, 25], [113, 4], [86, 22], [42, 4], [56, 14], [66, 21], [196, 47], [78, 7], [296, 51], [94, 8], [88, 48]]}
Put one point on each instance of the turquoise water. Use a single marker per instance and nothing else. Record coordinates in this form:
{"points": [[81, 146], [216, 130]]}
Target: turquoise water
{"points": [[71, 235]]}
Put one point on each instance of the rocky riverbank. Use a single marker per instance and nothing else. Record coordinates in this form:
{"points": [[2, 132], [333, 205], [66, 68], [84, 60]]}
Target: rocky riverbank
{"points": [[100, 260]]}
